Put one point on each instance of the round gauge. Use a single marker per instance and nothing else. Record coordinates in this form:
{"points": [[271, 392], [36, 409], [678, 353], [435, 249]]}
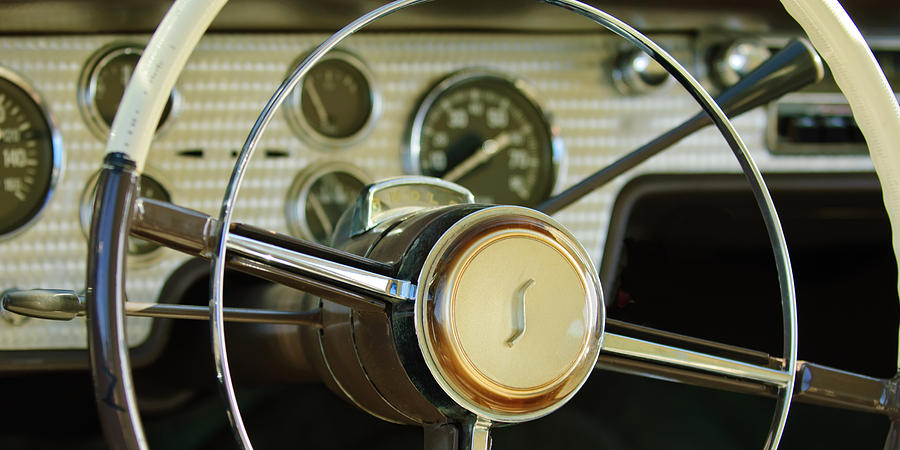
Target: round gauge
{"points": [[102, 85], [319, 196], [336, 105], [30, 154], [149, 188], [486, 132]]}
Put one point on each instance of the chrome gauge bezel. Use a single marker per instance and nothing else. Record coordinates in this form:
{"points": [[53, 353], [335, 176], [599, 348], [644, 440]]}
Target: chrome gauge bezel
{"points": [[297, 121], [87, 88], [295, 204], [412, 149], [56, 148]]}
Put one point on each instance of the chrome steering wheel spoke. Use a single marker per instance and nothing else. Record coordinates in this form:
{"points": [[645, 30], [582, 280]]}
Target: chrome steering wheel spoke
{"points": [[347, 279]]}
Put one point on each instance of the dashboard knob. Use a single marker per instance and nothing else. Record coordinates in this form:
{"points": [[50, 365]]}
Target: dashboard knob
{"points": [[732, 62], [635, 72]]}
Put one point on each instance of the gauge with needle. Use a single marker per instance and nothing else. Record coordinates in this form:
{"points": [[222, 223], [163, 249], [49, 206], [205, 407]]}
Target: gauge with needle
{"points": [[319, 196], [336, 104], [484, 153], [486, 131]]}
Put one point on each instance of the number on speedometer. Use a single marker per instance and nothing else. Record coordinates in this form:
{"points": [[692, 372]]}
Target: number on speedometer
{"points": [[30, 154], [486, 132]]}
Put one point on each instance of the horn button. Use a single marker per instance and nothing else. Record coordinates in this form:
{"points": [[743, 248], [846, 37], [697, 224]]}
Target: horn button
{"points": [[509, 314]]}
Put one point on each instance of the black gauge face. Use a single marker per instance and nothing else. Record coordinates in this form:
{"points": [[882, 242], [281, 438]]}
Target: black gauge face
{"points": [[483, 132], [105, 84], [28, 156], [336, 102], [319, 197], [149, 188]]}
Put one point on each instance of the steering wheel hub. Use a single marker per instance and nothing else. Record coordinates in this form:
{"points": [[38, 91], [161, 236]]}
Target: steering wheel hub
{"points": [[509, 313]]}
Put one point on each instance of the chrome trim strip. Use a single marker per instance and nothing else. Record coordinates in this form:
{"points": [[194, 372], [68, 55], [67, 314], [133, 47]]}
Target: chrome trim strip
{"points": [[55, 304], [673, 356], [346, 276]]}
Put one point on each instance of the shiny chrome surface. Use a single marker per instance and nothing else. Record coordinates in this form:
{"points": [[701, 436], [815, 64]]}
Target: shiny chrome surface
{"points": [[478, 435], [368, 283], [139, 250], [673, 356], [397, 197], [55, 304], [175, 227], [637, 73], [738, 59], [194, 233]]}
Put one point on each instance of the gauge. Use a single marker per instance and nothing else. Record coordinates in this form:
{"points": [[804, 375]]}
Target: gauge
{"points": [[336, 105], [319, 196], [149, 188], [486, 132], [31, 152], [102, 85]]}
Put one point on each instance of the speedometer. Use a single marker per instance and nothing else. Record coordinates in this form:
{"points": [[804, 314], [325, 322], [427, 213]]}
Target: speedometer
{"points": [[486, 132], [30, 154]]}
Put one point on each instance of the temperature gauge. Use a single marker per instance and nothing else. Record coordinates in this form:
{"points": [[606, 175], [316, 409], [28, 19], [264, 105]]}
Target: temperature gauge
{"points": [[319, 196]]}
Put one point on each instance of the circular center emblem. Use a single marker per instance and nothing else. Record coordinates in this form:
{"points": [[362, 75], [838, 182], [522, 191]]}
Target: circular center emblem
{"points": [[509, 314]]}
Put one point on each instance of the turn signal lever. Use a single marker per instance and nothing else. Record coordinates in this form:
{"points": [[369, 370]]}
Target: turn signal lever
{"points": [[792, 68], [57, 304]]}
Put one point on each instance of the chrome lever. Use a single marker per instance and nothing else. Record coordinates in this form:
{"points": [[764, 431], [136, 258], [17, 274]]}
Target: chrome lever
{"points": [[57, 304]]}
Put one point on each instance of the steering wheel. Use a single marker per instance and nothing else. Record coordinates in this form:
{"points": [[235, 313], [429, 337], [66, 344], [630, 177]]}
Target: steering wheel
{"points": [[429, 305]]}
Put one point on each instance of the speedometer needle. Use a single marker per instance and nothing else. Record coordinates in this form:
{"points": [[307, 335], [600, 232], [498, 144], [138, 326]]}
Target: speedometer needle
{"points": [[487, 150]]}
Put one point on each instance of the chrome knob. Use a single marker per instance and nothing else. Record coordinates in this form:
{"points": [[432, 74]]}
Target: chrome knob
{"points": [[636, 73], [732, 62]]}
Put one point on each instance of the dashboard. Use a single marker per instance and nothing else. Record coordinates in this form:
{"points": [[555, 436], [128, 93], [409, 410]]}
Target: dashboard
{"points": [[558, 102]]}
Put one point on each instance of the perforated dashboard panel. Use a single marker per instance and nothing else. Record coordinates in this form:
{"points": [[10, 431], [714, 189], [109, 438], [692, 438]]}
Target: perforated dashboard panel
{"points": [[228, 80]]}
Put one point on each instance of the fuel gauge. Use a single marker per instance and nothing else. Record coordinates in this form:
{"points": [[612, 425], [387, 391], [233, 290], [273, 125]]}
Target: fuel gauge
{"points": [[319, 196], [337, 104]]}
